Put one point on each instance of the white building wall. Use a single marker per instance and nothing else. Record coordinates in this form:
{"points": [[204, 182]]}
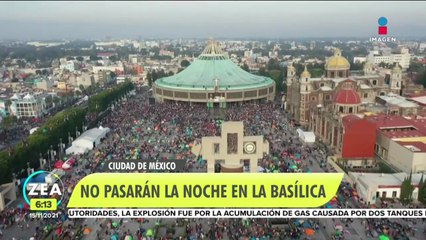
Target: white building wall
{"points": [[419, 162], [400, 157]]}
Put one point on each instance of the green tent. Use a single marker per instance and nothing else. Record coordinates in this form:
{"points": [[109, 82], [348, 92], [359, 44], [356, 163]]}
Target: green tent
{"points": [[150, 233], [383, 237]]}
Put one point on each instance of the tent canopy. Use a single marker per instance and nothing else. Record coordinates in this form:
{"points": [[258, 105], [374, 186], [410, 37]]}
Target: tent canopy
{"points": [[307, 137], [87, 140]]}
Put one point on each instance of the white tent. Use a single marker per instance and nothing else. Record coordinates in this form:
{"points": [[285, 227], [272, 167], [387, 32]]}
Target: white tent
{"points": [[307, 137], [51, 179], [87, 141], [32, 130]]}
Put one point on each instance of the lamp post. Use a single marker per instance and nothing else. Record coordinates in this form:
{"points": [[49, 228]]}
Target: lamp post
{"points": [[52, 156], [60, 148], [14, 177], [41, 161]]}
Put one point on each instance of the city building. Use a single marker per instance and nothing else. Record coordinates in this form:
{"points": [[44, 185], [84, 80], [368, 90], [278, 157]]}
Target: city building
{"points": [[333, 106], [401, 142], [336, 91], [61, 85], [402, 57], [213, 77], [4, 108], [360, 59], [397, 105], [420, 100], [69, 65], [166, 53], [233, 151], [373, 186], [43, 84], [28, 106]]}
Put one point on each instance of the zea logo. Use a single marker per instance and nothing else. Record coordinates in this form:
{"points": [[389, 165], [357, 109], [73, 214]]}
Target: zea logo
{"points": [[382, 31], [45, 189]]}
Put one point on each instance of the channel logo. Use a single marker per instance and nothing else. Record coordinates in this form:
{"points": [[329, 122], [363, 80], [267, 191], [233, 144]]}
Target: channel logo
{"points": [[383, 29], [382, 32], [43, 195]]}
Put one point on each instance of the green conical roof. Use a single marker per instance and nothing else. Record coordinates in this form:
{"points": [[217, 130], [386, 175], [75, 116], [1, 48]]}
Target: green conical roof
{"points": [[214, 68]]}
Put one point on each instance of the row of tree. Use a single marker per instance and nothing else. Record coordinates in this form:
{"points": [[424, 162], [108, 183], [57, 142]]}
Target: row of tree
{"points": [[14, 160], [102, 100], [153, 75], [60, 126], [419, 70], [406, 195]]}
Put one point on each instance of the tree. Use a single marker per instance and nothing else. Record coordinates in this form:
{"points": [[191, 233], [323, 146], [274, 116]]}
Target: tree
{"points": [[45, 72], [79, 58], [316, 72], [14, 80], [357, 66], [262, 72], [113, 58], [170, 73], [21, 63], [273, 64], [113, 75], [149, 78], [94, 58], [420, 195], [245, 67], [421, 78], [154, 75], [70, 58], [102, 100], [8, 121], [276, 75], [38, 72], [184, 63], [406, 195]]}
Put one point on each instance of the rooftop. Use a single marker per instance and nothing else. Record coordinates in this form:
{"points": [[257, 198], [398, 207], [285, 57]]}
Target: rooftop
{"points": [[384, 121], [349, 119], [347, 96], [420, 100], [397, 100], [403, 134], [365, 86], [414, 146], [214, 68], [420, 124], [383, 180]]}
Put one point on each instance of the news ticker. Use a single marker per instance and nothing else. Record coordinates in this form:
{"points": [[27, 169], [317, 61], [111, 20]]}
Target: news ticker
{"points": [[247, 213], [204, 190]]}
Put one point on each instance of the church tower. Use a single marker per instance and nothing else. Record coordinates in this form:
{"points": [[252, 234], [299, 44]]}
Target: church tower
{"points": [[368, 68], [395, 82], [291, 74], [305, 90], [305, 85]]}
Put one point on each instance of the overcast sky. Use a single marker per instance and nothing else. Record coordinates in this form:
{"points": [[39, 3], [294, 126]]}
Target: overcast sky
{"points": [[91, 20]]}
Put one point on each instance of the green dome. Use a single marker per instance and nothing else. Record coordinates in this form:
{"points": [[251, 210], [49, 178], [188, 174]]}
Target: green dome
{"points": [[213, 68]]}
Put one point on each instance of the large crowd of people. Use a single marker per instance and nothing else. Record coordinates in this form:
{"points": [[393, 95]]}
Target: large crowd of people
{"points": [[140, 130]]}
